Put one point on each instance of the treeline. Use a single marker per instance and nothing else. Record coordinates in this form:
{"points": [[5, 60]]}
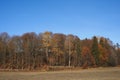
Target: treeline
{"points": [[34, 51]]}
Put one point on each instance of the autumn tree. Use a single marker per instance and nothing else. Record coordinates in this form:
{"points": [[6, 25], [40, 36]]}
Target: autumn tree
{"points": [[40, 53], [117, 48], [87, 43], [103, 49], [15, 52], [29, 46], [76, 56], [4, 54], [86, 57], [58, 48], [112, 57], [46, 42], [69, 47]]}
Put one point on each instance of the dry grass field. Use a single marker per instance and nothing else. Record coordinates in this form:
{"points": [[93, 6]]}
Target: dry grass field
{"points": [[112, 73]]}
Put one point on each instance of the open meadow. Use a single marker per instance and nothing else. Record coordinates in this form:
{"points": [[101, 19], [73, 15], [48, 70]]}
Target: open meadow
{"points": [[112, 73]]}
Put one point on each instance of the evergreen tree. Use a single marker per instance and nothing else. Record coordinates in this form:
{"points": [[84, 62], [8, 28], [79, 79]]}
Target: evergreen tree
{"points": [[95, 50]]}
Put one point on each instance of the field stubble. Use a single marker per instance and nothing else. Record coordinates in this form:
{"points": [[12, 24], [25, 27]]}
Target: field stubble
{"points": [[112, 73]]}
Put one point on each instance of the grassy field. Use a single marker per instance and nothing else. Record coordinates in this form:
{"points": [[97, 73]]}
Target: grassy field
{"points": [[112, 73]]}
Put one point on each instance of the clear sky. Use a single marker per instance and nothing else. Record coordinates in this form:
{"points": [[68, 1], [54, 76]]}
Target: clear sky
{"points": [[84, 18]]}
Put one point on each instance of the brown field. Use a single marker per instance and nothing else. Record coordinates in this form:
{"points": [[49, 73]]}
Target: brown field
{"points": [[112, 73]]}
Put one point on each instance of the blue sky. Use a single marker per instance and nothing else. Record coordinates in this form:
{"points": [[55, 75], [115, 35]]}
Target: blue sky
{"points": [[84, 18]]}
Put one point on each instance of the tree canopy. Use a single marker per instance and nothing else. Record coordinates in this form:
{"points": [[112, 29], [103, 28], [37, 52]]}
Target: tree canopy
{"points": [[34, 51]]}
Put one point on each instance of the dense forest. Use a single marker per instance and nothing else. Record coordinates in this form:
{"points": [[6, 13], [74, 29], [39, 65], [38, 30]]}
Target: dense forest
{"points": [[34, 51]]}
